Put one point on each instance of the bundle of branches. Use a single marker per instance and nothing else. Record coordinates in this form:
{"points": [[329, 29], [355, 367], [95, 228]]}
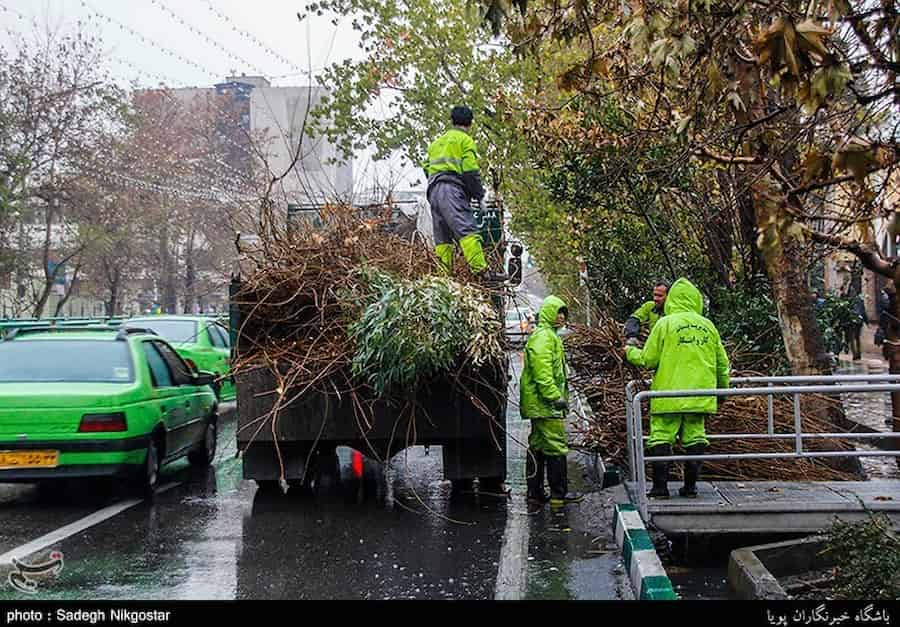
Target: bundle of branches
{"points": [[601, 373], [411, 330], [345, 306]]}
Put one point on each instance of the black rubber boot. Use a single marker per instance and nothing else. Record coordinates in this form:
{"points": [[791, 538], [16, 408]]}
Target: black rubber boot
{"points": [[692, 471], [534, 476], [557, 477], [660, 488]]}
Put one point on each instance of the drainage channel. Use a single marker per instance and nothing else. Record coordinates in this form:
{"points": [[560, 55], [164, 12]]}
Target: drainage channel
{"points": [[698, 565]]}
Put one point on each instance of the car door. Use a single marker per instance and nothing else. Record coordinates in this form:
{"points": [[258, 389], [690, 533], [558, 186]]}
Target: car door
{"points": [[167, 396], [193, 421], [219, 340], [221, 344]]}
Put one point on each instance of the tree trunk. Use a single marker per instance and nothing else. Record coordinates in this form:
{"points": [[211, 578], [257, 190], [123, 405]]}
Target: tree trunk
{"points": [[167, 278], [49, 277], [190, 276], [68, 293], [719, 242], [113, 279], [796, 313], [784, 258]]}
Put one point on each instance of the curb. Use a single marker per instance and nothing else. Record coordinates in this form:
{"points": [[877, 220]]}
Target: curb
{"points": [[648, 577]]}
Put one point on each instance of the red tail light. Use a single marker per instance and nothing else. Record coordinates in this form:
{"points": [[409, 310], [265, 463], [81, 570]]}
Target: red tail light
{"points": [[103, 423], [356, 463]]}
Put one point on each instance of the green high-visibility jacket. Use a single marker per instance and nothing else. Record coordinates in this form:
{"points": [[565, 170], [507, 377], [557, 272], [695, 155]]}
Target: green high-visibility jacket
{"points": [[647, 315], [453, 157], [686, 351], [544, 372]]}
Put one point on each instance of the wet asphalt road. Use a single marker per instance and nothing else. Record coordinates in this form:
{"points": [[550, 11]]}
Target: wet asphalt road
{"points": [[393, 534]]}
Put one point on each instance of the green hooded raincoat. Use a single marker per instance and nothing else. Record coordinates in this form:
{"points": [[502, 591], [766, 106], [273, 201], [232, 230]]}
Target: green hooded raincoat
{"points": [[687, 353], [544, 381]]}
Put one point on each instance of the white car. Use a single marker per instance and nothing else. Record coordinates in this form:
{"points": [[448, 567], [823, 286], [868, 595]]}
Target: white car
{"points": [[519, 323]]}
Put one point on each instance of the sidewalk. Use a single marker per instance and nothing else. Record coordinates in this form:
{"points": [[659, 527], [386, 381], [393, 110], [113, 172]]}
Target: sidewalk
{"points": [[872, 357]]}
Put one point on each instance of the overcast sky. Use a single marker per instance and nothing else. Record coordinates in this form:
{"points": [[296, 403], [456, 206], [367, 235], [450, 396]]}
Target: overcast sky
{"points": [[200, 42]]}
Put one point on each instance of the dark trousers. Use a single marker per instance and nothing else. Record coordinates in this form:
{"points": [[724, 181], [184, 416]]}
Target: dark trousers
{"points": [[556, 469], [853, 341]]}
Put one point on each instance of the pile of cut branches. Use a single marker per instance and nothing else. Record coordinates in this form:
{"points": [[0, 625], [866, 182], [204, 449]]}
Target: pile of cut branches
{"points": [[346, 307], [600, 372]]}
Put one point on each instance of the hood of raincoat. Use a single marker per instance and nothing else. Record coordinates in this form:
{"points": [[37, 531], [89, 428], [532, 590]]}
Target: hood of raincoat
{"points": [[683, 296]]}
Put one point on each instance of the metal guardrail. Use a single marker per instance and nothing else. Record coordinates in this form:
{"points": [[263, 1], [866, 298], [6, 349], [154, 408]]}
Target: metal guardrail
{"points": [[794, 386]]}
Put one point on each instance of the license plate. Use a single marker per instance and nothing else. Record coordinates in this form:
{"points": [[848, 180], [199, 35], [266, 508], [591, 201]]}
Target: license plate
{"points": [[28, 459]]}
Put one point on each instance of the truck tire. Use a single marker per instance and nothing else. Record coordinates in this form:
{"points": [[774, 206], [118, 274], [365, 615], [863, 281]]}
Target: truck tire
{"points": [[492, 485], [308, 486], [268, 486], [460, 486], [306, 489]]}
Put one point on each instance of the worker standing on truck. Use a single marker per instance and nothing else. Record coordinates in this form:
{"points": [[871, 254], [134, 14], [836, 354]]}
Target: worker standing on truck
{"points": [[685, 350], [647, 314], [542, 400], [454, 180]]}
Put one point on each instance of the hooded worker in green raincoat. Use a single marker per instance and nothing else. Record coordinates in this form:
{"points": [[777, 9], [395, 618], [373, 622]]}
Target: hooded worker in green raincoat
{"points": [[543, 395], [647, 315], [685, 350]]}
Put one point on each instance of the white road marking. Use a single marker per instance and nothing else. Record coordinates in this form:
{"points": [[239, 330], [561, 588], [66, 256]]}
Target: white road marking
{"points": [[512, 569], [58, 535]]}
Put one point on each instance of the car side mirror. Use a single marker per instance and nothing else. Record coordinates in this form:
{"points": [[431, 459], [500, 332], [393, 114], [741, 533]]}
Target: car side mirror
{"points": [[204, 378]]}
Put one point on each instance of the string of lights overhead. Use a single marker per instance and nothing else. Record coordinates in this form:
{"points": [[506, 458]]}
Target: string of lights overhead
{"points": [[209, 40], [204, 162]]}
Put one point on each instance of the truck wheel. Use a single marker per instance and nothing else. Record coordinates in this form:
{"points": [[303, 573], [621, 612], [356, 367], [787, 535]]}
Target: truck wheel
{"points": [[493, 485], [308, 488], [303, 489], [459, 486], [268, 486]]}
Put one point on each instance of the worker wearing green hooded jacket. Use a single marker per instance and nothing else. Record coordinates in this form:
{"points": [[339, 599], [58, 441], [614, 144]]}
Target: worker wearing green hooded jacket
{"points": [[543, 394], [685, 350], [647, 315]]}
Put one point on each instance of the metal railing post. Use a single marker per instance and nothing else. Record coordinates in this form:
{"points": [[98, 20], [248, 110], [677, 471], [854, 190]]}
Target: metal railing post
{"points": [[759, 386], [643, 505], [629, 431]]}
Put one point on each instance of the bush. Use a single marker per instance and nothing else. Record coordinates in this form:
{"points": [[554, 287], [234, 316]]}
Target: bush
{"points": [[747, 320], [834, 315], [867, 559]]}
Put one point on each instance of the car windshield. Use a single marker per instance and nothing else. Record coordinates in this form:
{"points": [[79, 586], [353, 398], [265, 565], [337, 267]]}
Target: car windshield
{"points": [[175, 331], [78, 361]]}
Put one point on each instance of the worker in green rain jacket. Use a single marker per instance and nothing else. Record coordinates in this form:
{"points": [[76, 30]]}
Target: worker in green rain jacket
{"points": [[454, 180], [647, 315], [543, 397], [686, 352]]}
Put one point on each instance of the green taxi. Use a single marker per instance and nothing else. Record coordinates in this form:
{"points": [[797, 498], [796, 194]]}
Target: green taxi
{"points": [[201, 341], [100, 402]]}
